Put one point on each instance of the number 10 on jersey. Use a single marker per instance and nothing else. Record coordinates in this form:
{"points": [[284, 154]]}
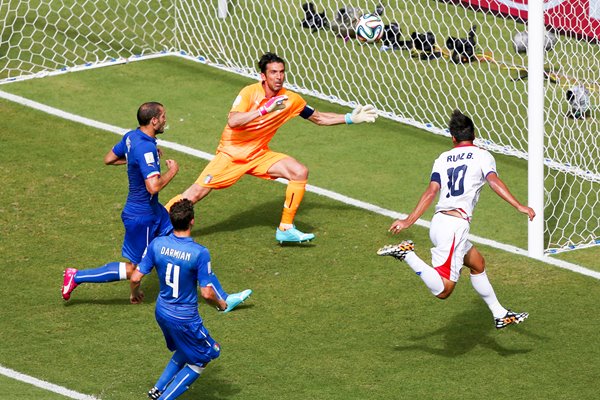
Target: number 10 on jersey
{"points": [[456, 180]]}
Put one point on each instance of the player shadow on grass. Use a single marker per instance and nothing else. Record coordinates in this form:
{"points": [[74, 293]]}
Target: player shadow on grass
{"points": [[264, 214], [212, 387], [465, 332]]}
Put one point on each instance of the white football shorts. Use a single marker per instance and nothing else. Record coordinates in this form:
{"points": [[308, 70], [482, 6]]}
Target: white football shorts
{"points": [[449, 237]]}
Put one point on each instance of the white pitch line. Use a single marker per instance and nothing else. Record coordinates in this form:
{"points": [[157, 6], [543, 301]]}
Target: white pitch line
{"points": [[314, 189], [476, 239], [44, 385]]}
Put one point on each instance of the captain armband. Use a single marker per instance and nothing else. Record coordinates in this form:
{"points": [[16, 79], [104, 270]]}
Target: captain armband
{"points": [[307, 111]]}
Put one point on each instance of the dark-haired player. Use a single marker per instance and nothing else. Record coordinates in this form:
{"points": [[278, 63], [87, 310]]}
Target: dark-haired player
{"points": [[181, 265], [257, 112], [457, 176], [143, 216]]}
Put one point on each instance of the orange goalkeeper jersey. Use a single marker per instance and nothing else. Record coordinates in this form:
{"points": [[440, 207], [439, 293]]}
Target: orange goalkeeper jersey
{"points": [[251, 140]]}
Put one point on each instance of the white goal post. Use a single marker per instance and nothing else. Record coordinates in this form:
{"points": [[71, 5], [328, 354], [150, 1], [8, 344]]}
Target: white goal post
{"points": [[535, 127], [528, 75], [222, 9]]}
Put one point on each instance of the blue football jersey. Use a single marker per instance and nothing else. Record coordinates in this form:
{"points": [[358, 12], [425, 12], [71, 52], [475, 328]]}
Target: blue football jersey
{"points": [[142, 163], [181, 264]]}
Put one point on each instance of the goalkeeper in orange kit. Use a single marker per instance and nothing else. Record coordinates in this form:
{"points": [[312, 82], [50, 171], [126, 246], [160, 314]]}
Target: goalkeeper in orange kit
{"points": [[257, 112]]}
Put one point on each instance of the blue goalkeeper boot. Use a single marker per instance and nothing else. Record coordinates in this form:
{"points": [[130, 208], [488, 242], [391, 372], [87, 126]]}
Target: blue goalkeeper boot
{"points": [[235, 299], [293, 235]]}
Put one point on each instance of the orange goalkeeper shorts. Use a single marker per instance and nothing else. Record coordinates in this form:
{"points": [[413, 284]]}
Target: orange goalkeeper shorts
{"points": [[223, 171]]}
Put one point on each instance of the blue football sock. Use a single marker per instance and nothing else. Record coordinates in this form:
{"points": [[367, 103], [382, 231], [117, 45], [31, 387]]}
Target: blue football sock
{"points": [[113, 271], [181, 382], [175, 365], [214, 282]]}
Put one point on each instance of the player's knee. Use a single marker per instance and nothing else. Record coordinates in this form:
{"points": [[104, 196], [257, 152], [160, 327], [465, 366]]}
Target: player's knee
{"points": [[299, 172], [129, 268], [477, 268], [444, 294], [192, 194], [195, 193], [474, 261]]}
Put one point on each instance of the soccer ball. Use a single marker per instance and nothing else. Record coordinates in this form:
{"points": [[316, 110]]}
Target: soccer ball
{"points": [[520, 41], [369, 28]]}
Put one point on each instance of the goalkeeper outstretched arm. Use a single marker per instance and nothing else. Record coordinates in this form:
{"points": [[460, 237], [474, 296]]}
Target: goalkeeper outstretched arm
{"points": [[359, 115]]}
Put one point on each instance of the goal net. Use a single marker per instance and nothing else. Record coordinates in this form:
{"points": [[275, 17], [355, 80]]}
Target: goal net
{"points": [[435, 56], [40, 37]]}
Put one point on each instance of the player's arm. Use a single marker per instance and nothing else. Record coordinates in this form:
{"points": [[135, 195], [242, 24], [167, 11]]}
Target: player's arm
{"points": [[112, 159], [205, 281], [145, 266], [501, 190], [359, 115], [156, 183], [237, 119], [424, 202], [241, 118], [327, 118], [209, 295], [136, 296]]}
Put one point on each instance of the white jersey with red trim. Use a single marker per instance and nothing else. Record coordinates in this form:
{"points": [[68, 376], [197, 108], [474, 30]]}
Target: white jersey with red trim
{"points": [[461, 173]]}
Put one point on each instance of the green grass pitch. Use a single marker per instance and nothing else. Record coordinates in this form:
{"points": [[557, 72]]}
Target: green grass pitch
{"points": [[328, 320]]}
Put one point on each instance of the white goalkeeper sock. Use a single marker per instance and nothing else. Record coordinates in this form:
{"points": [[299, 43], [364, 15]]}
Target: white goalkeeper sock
{"points": [[484, 288], [432, 279]]}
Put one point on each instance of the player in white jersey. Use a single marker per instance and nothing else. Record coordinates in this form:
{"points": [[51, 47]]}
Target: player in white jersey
{"points": [[458, 176]]}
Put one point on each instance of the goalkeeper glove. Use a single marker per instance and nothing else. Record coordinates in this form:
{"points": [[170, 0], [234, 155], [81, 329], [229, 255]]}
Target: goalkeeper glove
{"points": [[361, 114], [275, 103]]}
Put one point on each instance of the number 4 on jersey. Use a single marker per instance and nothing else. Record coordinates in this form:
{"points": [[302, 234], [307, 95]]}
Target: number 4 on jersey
{"points": [[172, 278]]}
